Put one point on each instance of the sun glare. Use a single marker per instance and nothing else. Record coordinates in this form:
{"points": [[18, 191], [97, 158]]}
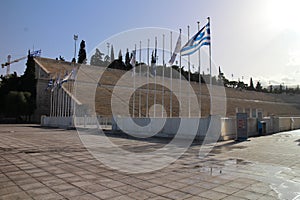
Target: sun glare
{"points": [[284, 14]]}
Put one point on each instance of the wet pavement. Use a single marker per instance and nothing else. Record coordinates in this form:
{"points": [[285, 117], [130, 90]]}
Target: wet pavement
{"points": [[41, 163]]}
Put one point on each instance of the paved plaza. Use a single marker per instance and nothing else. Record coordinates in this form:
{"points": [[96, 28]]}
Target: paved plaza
{"points": [[42, 163]]}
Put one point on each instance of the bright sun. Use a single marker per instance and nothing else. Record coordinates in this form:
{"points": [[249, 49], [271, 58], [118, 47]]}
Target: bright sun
{"points": [[283, 14]]}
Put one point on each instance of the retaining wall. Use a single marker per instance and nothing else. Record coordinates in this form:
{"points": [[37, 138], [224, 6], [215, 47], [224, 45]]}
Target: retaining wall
{"points": [[168, 127]]}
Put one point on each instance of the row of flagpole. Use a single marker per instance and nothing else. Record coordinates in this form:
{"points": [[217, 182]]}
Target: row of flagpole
{"points": [[201, 38], [60, 102]]}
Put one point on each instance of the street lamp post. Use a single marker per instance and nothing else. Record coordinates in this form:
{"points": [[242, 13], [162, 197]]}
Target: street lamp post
{"points": [[75, 39]]}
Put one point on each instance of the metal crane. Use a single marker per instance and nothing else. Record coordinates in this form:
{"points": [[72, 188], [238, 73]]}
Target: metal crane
{"points": [[36, 53]]}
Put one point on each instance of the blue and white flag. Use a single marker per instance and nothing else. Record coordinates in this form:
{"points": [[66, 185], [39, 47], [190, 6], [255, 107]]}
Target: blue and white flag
{"points": [[176, 50], [50, 84], [198, 40], [67, 77], [56, 83], [36, 53]]}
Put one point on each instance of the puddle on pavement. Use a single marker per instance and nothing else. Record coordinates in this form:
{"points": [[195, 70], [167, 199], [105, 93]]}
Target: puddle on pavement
{"points": [[222, 149], [283, 180], [215, 167]]}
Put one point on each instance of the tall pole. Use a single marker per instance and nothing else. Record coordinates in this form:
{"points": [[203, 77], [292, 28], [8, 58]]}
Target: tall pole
{"points": [[133, 101], [54, 103], [8, 66], [108, 45], [208, 18], [155, 75], [140, 77], [189, 75], [171, 76], [147, 98], [62, 102], [163, 77], [51, 103], [199, 69], [75, 39], [180, 77], [59, 102]]}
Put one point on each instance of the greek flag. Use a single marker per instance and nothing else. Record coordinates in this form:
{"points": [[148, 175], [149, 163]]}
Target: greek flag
{"points": [[50, 84], [56, 83], [198, 40], [36, 53], [67, 77]]}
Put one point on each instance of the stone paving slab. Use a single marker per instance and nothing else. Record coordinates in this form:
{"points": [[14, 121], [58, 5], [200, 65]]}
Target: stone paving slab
{"points": [[42, 163]]}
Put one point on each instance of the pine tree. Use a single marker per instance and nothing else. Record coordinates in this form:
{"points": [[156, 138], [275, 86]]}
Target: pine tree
{"points": [[97, 58], [82, 53]]}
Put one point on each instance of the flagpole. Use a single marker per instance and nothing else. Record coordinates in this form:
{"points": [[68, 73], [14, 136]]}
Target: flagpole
{"points": [[155, 76], [133, 102], [66, 106], [59, 102], [208, 18], [51, 103], [147, 99], [163, 77], [54, 104], [189, 75], [69, 99], [63, 102], [140, 74], [67, 103], [171, 76], [199, 69], [180, 79]]}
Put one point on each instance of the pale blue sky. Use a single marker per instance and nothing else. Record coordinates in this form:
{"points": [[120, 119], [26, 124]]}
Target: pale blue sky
{"points": [[253, 38]]}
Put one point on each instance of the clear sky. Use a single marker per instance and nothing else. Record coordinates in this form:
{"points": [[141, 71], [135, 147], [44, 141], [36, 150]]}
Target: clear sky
{"points": [[250, 38]]}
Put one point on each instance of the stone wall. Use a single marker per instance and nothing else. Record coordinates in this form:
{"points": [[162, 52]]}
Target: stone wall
{"points": [[42, 96]]}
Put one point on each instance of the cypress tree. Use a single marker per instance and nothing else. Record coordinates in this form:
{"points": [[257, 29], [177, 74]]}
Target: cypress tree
{"points": [[82, 53]]}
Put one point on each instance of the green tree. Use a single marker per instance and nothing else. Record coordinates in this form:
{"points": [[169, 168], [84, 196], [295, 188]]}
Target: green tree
{"points": [[82, 53], [97, 58], [127, 60], [120, 57], [25, 84], [8, 83], [222, 80], [28, 83], [17, 104], [106, 60], [271, 88], [112, 54], [258, 87], [251, 86], [241, 85]]}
